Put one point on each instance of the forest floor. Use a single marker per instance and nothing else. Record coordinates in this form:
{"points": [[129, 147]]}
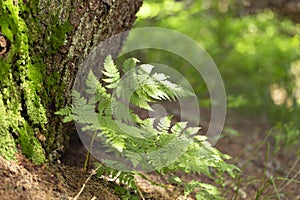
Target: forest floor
{"points": [[244, 139]]}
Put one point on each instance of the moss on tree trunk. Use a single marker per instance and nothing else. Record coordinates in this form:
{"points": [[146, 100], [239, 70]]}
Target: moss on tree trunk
{"points": [[44, 44]]}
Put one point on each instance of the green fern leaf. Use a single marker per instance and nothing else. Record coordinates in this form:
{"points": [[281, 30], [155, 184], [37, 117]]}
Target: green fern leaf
{"points": [[200, 138], [112, 72], [152, 90], [130, 130], [129, 64], [191, 131], [179, 127], [64, 111], [67, 113], [141, 100], [169, 153], [92, 81], [78, 101], [149, 145], [164, 123], [121, 112], [134, 157], [68, 118]]}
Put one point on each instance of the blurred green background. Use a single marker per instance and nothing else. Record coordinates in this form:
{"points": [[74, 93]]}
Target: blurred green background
{"points": [[257, 53]]}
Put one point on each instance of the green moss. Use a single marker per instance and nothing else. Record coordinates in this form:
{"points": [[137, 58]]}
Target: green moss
{"points": [[35, 110], [21, 82], [9, 116], [58, 35], [54, 90], [30, 93], [31, 146], [7, 144], [4, 68]]}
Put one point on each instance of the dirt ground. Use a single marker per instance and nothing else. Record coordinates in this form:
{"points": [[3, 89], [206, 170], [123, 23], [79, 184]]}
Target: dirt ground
{"points": [[24, 181], [250, 149]]}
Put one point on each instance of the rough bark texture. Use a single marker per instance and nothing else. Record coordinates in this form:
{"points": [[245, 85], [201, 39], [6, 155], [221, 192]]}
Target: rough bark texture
{"points": [[45, 41]]}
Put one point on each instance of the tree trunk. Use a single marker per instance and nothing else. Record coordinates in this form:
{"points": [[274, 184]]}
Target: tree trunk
{"points": [[42, 44]]}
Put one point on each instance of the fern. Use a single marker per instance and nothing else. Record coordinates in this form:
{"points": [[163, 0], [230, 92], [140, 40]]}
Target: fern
{"points": [[111, 72], [144, 143], [164, 123]]}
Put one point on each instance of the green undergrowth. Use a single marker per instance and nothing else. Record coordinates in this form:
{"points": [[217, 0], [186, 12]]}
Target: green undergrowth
{"points": [[257, 54], [104, 113], [286, 137]]}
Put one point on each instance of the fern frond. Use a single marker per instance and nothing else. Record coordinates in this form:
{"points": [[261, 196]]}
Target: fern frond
{"points": [[167, 155], [135, 158], [191, 131], [164, 123], [121, 112], [67, 113], [128, 85], [143, 142], [153, 90], [165, 139], [91, 82], [129, 64], [178, 127], [211, 192], [77, 100], [105, 107], [112, 72], [148, 124], [141, 100], [130, 130], [64, 111], [113, 139]]}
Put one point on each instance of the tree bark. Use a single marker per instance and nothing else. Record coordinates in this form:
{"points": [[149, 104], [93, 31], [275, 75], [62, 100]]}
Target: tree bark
{"points": [[42, 45]]}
